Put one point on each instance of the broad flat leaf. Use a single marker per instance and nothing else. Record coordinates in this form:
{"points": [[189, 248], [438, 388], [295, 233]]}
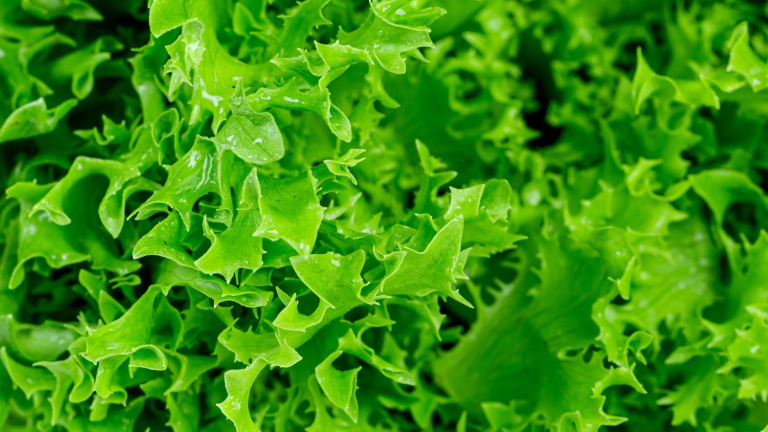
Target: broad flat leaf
{"points": [[236, 247], [415, 273], [215, 71], [339, 386], [171, 275], [297, 25], [316, 100], [112, 206], [81, 240], [289, 210], [252, 136], [33, 119], [168, 239], [130, 334], [524, 340], [235, 406], [201, 171], [744, 61], [335, 279], [77, 10], [29, 379], [386, 42]]}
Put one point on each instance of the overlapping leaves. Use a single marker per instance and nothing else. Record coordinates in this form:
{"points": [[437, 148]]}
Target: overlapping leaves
{"points": [[385, 215]]}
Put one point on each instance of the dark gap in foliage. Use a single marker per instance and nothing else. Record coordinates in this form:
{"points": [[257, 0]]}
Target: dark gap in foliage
{"points": [[378, 417], [744, 218], [657, 31], [307, 304], [61, 274], [284, 273], [445, 190], [357, 313], [329, 198], [630, 329], [235, 198], [155, 413], [457, 312], [448, 345], [489, 170], [410, 199], [624, 390], [619, 300], [589, 353], [763, 176], [437, 420], [667, 344], [69, 312], [487, 296], [214, 374], [52, 302], [675, 378], [303, 408], [471, 88], [607, 364], [179, 298], [272, 12], [553, 190], [207, 204], [281, 380], [741, 412], [536, 69], [627, 61], [133, 391], [6, 90], [374, 338], [238, 312], [323, 38], [149, 265], [407, 390], [360, 6], [690, 157], [707, 113], [346, 362], [15, 152], [136, 200], [724, 270], [740, 372], [573, 352], [583, 74], [537, 120]]}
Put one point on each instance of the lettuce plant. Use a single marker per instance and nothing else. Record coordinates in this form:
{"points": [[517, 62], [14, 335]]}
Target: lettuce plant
{"points": [[383, 215]]}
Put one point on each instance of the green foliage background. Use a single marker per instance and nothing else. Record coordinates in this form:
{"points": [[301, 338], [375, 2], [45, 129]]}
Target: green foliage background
{"points": [[343, 215]]}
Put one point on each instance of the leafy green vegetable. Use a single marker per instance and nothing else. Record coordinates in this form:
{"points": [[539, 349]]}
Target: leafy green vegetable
{"points": [[383, 215]]}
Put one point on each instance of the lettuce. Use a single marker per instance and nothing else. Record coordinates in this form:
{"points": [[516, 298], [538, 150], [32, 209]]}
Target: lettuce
{"points": [[383, 215]]}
